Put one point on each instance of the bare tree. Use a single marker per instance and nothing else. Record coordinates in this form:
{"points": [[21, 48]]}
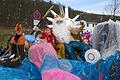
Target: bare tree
{"points": [[113, 8]]}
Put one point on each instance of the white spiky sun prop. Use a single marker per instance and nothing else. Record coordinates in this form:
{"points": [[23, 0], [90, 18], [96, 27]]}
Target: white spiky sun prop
{"points": [[62, 25]]}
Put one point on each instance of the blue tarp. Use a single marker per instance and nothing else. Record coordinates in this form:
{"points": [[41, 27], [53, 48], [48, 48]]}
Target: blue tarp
{"points": [[84, 70], [26, 71], [89, 71]]}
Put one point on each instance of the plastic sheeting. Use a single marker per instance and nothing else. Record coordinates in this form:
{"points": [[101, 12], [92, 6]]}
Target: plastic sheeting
{"points": [[106, 38], [26, 71], [37, 51]]}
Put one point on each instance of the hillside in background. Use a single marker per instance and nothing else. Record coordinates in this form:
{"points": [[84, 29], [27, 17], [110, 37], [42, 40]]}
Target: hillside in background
{"points": [[21, 11]]}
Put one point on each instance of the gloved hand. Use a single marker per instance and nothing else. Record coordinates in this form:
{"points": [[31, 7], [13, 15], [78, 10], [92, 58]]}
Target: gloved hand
{"points": [[35, 28]]}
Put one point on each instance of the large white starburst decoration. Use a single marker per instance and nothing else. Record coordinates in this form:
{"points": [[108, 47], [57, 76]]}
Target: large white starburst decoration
{"points": [[62, 26]]}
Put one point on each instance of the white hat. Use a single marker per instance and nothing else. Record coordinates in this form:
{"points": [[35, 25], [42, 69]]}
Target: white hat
{"points": [[92, 56]]}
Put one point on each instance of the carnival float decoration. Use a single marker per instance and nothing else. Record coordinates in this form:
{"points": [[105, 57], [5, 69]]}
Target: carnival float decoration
{"points": [[101, 61], [62, 27]]}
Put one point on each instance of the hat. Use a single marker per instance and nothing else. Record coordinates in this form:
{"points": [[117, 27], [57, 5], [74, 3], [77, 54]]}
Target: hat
{"points": [[18, 27]]}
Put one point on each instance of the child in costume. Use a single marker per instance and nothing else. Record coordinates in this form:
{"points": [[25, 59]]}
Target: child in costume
{"points": [[47, 36]]}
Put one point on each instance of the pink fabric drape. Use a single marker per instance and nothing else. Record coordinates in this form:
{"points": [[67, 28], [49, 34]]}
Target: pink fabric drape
{"points": [[57, 74], [37, 51]]}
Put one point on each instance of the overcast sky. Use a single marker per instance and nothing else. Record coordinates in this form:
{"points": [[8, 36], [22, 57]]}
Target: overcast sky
{"points": [[90, 6]]}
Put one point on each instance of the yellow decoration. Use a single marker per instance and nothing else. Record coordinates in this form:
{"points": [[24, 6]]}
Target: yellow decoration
{"points": [[60, 49], [75, 32]]}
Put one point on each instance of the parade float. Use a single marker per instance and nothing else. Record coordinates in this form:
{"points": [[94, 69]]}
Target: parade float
{"points": [[99, 62]]}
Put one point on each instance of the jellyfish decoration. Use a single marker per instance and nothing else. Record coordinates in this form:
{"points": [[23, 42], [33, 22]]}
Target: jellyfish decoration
{"points": [[62, 26]]}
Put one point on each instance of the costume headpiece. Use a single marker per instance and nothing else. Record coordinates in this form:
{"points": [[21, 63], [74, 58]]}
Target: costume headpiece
{"points": [[18, 27]]}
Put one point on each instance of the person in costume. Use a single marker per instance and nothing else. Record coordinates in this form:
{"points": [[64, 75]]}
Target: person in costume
{"points": [[18, 37], [62, 27], [17, 40], [36, 31], [47, 36], [14, 54]]}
